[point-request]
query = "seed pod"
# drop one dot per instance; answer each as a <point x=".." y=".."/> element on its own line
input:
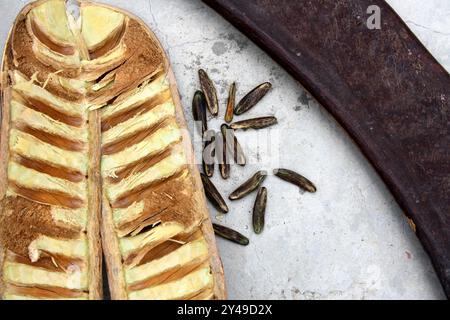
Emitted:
<point x="295" y="178"/>
<point x="213" y="195"/>
<point x="259" y="210"/>
<point x="230" y="234"/>
<point x="208" y="154"/>
<point x="234" y="148"/>
<point x="230" y="103"/>
<point x="224" y="164"/>
<point x="248" y="186"/>
<point x="210" y="92"/>
<point x="252" y="98"/>
<point x="255" y="123"/>
<point x="199" y="106"/>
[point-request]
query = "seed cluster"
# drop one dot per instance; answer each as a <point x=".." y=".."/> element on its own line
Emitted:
<point x="228" y="146"/>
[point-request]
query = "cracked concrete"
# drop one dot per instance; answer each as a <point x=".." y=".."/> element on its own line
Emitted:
<point x="349" y="240"/>
<point x="409" y="22"/>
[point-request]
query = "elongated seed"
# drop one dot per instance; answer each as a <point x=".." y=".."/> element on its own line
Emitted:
<point x="234" y="148"/>
<point x="252" y="98"/>
<point x="224" y="163"/>
<point x="239" y="156"/>
<point x="248" y="186"/>
<point x="255" y="123"/>
<point x="208" y="154"/>
<point x="210" y="92"/>
<point x="230" y="234"/>
<point x="295" y="178"/>
<point x="259" y="210"/>
<point x="213" y="194"/>
<point x="230" y="104"/>
<point x="199" y="106"/>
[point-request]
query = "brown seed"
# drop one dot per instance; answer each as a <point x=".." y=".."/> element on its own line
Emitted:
<point x="208" y="154"/>
<point x="224" y="163"/>
<point x="295" y="178"/>
<point x="255" y="123"/>
<point x="252" y="98"/>
<point x="213" y="194"/>
<point x="248" y="186"/>
<point x="259" y="210"/>
<point x="230" y="103"/>
<point x="199" y="110"/>
<point x="210" y="92"/>
<point x="234" y="148"/>
<point x="230" y="234"/>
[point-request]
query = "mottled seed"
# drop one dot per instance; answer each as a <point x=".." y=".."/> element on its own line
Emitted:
<point x="230" y="103"/>
<point x="255" y="123"/>
<point x="248" y="186"/>
<point x="208" y="154"/>
<point x="222" y="155"/>
<point x="210" y="92"/>
<point x="234" y="148"/>
<point x="199" y="106"/>
<point x="252" y="98"/>
<point x="213" y="194"/>
<point x="295" y="178"/>
<point x="259" y="210"/>
<point x="230" y="234"/>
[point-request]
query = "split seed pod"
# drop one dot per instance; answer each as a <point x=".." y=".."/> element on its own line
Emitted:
<point x="248" y="186"/>
<point x="295" y="178"/>
<point x="230" y="234"/>
<point x="259" y="210"/>
<point x="199" y="106"/>
<point x="252" y="98"/>
<point x="213" y="194"/>
<point x="230" y="104"/>
<point x="210" y="92"/>
<point x="255" y="123"/>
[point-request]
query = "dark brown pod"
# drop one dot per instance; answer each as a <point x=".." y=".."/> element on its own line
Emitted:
<point x="259" y="210"/>
<point x="210" y="92"/>
<point x="208" y="154"/>
<point x="199" y="106"/>
<point x="213" y="194"/>
<point x="230" y="104"/>
<point x="248" y="186"/>
<point x="255" y="123"/>
<point x="230" y="234"/>
<point x="224" y="163"/>
<point x="295" y="178"/>
<point x="252" y="98"/>
<point x="234" y="148"/>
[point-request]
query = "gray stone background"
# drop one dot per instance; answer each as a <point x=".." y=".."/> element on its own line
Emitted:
<point x="350" y="240"/>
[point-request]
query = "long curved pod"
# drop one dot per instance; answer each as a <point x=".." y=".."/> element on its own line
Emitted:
<point x="94" y="141"/>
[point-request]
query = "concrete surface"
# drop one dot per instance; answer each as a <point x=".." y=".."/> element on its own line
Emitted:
<point x="350" y="240"/>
